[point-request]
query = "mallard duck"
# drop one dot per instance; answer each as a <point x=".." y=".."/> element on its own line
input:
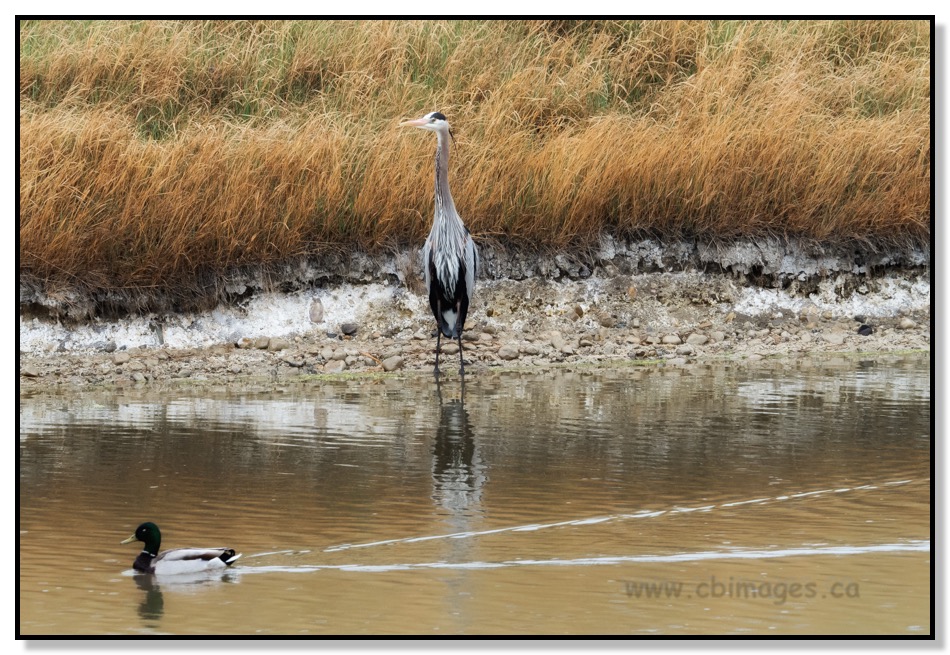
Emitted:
<point x="176" y="560"/>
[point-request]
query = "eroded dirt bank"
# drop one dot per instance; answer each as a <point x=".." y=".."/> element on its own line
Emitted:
<point x="630" y="302"/>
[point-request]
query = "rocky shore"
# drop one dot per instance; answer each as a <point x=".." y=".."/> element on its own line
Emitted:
<point x="608" y="317"/>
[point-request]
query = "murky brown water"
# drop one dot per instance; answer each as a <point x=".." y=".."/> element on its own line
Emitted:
<point x="718" y="500"/>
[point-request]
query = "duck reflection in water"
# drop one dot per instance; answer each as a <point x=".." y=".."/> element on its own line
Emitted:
<point x="152" y="607"/>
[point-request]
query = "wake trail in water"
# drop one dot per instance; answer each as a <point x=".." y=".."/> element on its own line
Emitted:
<point x="908" y="546"/>
<point x="641" y="514"/>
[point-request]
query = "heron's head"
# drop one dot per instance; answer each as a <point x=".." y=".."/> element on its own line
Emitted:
<point x="433" y="121"/>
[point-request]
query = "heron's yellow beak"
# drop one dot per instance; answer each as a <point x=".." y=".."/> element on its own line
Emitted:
<point x="129" y="540"/>
<point x="419" y="122"/>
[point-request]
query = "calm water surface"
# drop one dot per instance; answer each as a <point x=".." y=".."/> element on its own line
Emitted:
<point x="724" y="499"/>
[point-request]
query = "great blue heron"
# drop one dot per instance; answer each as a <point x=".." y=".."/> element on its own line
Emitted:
<point x="449" y="256"/>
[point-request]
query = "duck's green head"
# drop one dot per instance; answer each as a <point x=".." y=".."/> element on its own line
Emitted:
<point x="149" y="533"/>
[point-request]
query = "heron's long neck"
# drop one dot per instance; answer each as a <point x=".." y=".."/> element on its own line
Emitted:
<point x="444" y="206"/>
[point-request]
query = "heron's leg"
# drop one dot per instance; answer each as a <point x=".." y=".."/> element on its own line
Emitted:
<point x="461" y="361"/>
<point x="438" y="346"/>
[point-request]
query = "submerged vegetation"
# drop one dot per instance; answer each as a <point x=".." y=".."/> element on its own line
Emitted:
<point x="155" y="152"/>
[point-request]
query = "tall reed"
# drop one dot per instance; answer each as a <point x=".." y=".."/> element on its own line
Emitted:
<point x="152" y="152"/>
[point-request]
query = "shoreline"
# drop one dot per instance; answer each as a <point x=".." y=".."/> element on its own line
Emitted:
<point x="607" y="319"/>
<point x="267" y="380"/>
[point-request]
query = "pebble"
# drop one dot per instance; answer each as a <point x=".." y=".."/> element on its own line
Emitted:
<point x="393" y="363"/>
<point x="316" y="311"/>
<point x="508" y="352"/>
<point x="672" y="339"/>
<point x="261" y="342"/>
<point x="834" y="338"/>
<point x="865" y="330"/>
<point x="29" y="371"/>
<point x="685" y="349"/>
<point x="907" y="323"/>
<point x="717" y="335"/>
<point x="697" y="339"/>
<point x="450" y="348"/>
<point x="121" y="358"/>
<point x="531" y="349"/>
<point x="348" y="329"/>
<point x="334" y="366"/>
<point x="277" y="343"/>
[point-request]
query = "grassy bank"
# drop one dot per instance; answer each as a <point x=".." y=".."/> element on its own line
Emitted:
<point x="152" y="152"/>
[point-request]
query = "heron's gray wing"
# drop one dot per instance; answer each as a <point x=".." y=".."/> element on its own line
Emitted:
<point x="471" y="264"/>
<point x="426" y="257"/>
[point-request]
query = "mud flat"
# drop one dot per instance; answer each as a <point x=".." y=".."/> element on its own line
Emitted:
<point x="629" y="303"/>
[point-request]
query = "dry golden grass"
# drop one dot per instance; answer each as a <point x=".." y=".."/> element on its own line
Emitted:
<point x="152" y="152"/>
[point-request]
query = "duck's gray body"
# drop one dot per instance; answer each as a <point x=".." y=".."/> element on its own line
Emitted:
<point x="185" y="560"/>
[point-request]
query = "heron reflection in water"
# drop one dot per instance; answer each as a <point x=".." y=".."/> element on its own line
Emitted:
<point x="457" y="470"/>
